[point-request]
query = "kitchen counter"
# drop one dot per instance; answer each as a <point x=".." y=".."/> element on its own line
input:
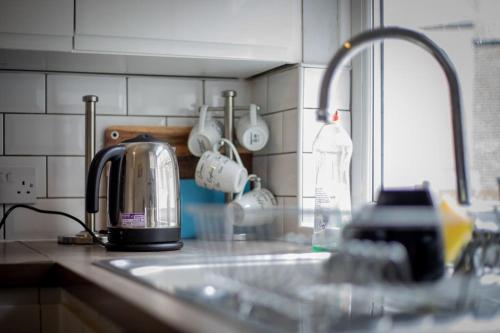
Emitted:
<point x="70" y="267"/>
<point x="135" y="307"/>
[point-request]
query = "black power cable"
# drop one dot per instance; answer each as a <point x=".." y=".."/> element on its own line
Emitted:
<point x="53" y="212"/>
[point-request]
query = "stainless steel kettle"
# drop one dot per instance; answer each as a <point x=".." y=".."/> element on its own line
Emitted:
<point x="143" y="194"/>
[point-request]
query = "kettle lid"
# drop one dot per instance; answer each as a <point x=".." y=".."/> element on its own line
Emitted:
<point x="143" y="138"/>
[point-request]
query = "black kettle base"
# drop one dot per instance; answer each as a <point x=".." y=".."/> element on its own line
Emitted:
<point x="145" y="247"/>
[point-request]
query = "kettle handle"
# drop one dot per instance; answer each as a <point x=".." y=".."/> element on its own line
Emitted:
<point x="115" y="155"/>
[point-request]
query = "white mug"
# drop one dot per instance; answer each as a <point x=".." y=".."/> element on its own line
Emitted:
<point x="252" y="131"/>
<point x="249" y="209"/>
<point x="218" y="172"/>
<point x="205" y="134"/>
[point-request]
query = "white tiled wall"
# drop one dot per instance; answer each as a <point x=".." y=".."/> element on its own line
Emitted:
<point x="51" y="136"/>
<point x="275" y="143"/>
<point x="290" y="131"/>
<point x="44" y="134"/>
<point x="278" y="95"/>
<point x="283" y="90"/>
<point x="48" y="133"/>
<point x="339" y="90"/>
<point x="66" y="176"/>
<point x="22" y="92"/>
<point x="64" y="93"/>
<point x="23" y="224"/>
<point x="162" y="96"/>
<point x="182" y="121"/>
<point x="258" y="92"/>
<point x="282" y="174"/>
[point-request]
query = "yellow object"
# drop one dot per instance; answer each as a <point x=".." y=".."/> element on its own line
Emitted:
<point x="457" y="230"/>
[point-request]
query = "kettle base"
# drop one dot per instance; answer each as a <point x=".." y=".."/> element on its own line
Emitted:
<point x="145" y="247"/>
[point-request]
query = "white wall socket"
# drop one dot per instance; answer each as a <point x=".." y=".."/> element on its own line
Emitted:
<point x="17" y="185"/>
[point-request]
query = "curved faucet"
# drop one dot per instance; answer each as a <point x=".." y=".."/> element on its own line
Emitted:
<point x="361" y="41"/>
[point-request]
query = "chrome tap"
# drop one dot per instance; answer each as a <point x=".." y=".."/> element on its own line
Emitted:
<point x="365" y="39"/>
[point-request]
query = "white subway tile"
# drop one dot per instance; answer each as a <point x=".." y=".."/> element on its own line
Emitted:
<point x="311" y="127"/>
<point x="214" y="89"/>
<point x="102" y="122"/>
<point x="283" y="90"/>
<point x="65" y="92"/>
<point x="290" y="131"/>
<point x="66" y="176"/>
<point x="275" y="143"/>
<point x="308" y="175"/>
<point x="44" y="134"/>
<point x="164" y="96"/>
<point x="279" y="221"/>
<point x="340" y="97"/>
<point x="259" y="166"/>
<point x="22" y="92"/>
<point x="258" y="93"/>
<point x="290" y="202"/>
<point x="282" y="174"/>
<point x="37" y="162"/>
<point x="1" y="134"/>
<point x="24" y="224"/>
<point x="182" y="121"/>
<point x="291" y="214"/>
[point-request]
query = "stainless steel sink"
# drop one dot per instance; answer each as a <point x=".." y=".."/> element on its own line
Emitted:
<point x="237" y="285"/>
<point x="170" y="274"/>
<point x="293" y="292"/>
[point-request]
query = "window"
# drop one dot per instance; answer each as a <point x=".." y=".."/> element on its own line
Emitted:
<point x="416" y="133"/>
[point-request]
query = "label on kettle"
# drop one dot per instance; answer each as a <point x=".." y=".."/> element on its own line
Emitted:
<point x="133" y="219"/>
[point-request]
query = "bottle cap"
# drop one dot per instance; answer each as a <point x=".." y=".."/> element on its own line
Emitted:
<point x="336" y="117"/>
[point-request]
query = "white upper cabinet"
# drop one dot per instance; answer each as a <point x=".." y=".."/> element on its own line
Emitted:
<point x="263" y="30"/>
<point x="36" y="24"/>
<point x="223" y="38"/>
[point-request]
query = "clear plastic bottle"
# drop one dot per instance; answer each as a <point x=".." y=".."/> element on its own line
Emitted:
<point x="332" y="151"/>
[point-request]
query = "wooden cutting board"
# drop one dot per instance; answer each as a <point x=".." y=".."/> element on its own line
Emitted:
<point x="175" y="136"/>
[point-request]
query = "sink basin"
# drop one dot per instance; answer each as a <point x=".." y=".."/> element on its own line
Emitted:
<point x="290" y="292"/>
<point x="170" y="274"/>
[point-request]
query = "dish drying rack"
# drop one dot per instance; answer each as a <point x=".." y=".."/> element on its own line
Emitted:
<point x="361" y="286"/>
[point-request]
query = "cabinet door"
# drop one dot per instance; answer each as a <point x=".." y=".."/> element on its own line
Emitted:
<point x="226" y="29"/>
<point x="36" y="25"/>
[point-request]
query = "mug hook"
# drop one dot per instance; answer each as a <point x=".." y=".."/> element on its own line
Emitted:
<point x="253" y="114"/>
<point x="257" y="183"/>
<point x="203" y="116"/>
<point x="222" y="142"/>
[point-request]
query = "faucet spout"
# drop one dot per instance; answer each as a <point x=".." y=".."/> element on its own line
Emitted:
<point x="360" y="42"/>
